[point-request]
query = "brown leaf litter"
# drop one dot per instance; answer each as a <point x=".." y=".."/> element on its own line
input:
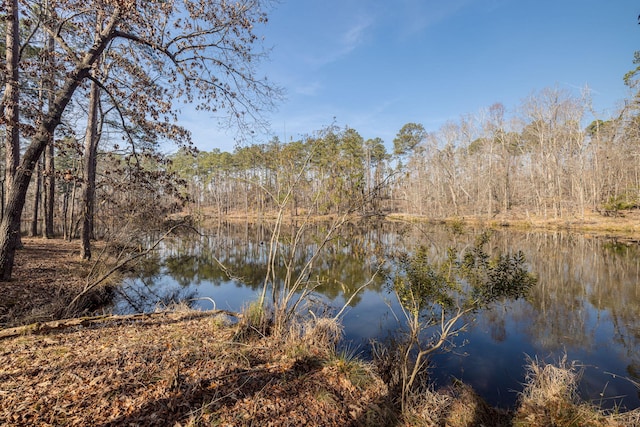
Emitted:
<point x="175" y="369"/>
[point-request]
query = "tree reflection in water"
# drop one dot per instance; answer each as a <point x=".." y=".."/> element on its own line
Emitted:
<point x="586" y="302"/>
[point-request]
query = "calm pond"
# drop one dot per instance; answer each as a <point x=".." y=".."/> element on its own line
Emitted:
<point x="586" y="303"/>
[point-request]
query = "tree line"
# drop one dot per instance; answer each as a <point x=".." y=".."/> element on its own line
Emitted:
<point x="543" y="161"/>
<point x="548" y="157"/>
<point x="329" y="173"/>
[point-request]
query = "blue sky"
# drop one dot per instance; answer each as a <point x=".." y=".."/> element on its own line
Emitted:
<point x="375" y="65"/>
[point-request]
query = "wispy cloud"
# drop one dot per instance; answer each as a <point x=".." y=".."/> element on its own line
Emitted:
<point x="418" y="15"/>
<point x="346" y="41"/>
<point x="309" y="89"/>
<point x="355" y="35"/>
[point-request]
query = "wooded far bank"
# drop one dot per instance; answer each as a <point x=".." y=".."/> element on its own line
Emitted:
<point x="542" y="164"/>
<point x="541" y="167"/>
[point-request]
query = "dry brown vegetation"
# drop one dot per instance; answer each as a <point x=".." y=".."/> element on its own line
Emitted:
<point x="47" y="275"/>
<point x="550" y="399"/>
<point x="189" y="368"/>
<point x="197" y="368"/>
<point x="183" y="367"/>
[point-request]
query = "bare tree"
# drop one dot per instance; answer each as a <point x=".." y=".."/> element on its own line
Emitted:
<point x="199" y="51"/>
<point x="92" y="137"/>
<point x="11" y="100"/>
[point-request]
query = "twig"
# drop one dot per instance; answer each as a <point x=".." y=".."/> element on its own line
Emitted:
<point x="346" y="304"/>
<point x="635" y="383"/>
<point x="205" y="299"/>
<point x="119" y="266"/>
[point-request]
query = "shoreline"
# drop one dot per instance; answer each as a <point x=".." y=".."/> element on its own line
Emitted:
<point x="623" y="226"/>
<point x="184" y="367"/>
<point x="625" y="231"/>
<point x="156" y="365"/>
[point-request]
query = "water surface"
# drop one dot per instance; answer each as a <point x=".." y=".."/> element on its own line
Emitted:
<point x="586" y="303"/>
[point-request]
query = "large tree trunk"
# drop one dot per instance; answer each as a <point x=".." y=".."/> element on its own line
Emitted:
<point x="49" y="187"/>
<point x="10" y="225"/>
<point x="12" y="98"/>
<point x="89" y="165"/>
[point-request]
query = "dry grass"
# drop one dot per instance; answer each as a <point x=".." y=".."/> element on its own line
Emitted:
<point x="550" y="399"/>
<point x="456" y="406"/>
<point x="428" y="408"/>
<point x="321" y="332"/>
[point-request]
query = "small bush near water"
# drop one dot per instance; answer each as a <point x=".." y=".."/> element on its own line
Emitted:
<point x="549" y="399"/>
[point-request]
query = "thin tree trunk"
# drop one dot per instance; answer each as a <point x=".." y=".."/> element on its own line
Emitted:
<point x="48" y="192"/>
<point x="89" y="160"/>
<point x="72" y="220"/>
<point x="65" y="212"/>
<point x="36" y="201"/>
<point x="2" y="196"/>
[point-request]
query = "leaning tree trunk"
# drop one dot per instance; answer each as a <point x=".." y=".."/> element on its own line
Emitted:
<point x="16" y="195"/>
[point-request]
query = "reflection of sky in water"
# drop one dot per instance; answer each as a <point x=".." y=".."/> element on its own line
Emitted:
<point x="371" y="318"/>
<point x="228" y="295"/>
<point x="496" y="346"/>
